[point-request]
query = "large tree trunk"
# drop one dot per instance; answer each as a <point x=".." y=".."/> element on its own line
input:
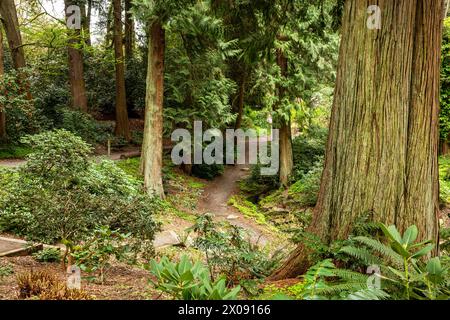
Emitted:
<point x="129" y="30"/>
<point x="122" y="124"/>
<point x="2" y="111"/>
<point x="11" y="23"/>
<point x="152" y="147"/>
<point x="382" y="148"/>
<point x="286" y="155"/>
<point x="76" y="68"/>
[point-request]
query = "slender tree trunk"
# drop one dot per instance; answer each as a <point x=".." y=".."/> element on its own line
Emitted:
<point x="2" y="111"/>
<point x="152" y="147"/>
<point x="76" y="68"/>
<point x="129" y="30"/>
<point x="446" y="7"/>
<point x="286" y="155"/>
<point x="86" y="19"/>
<point x="382" y="149"/>
<point x="109" y="22"/>
<point x="122" y="124"/>
<point x="11" y="24"/>
<point x="240" y="100"/>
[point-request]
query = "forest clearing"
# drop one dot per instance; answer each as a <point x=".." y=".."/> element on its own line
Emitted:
<point x="224" y="150"/>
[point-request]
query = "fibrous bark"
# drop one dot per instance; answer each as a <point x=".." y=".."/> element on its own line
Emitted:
<point x="10" y="21"/>
<point x="129" y="30"/>
<point x="2" y="111"/>
<point x="382" y="150"/>
<point x="152" y="147"/>
<point x="122" y="125"/>
<point x="286" y="155"/>
<point x="76" y="68"/>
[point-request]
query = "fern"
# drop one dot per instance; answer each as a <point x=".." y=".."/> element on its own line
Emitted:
<point x="362" y="254"/>
<point x="384" y="250"/>
<point x="368" y="294"/>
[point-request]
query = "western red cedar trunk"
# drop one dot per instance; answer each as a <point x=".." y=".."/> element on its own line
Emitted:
<point x="2" y="112"/>
<point x="10" y="20"/>
<point x="152" y="146"/>
<point x="129" y="30"/>
<point x="76" y="68"/>
<point x="286" y="155"/>
<point x="383" y="140"/>
<point x="122" y="125"/>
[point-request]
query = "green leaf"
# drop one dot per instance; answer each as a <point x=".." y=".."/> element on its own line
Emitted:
<point x="410" y="235"/>
<point x="422" y="252"/>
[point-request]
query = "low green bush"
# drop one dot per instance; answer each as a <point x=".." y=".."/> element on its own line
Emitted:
<point x="229" y="251"/>
<point x="306" y="189"/>
<point x="209" y="172"/>
<point x="48" y="255"/>
<point x="94" y="255"/>
<point x="60" y="195"/>
<point x="187" y="281"/>
<point x="308" y="149"/>
<point x="85" y="126"/>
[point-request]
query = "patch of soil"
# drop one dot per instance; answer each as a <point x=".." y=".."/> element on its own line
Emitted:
<point x="123" y="282"/>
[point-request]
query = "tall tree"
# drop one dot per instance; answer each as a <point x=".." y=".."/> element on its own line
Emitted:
<point x="382" y="149"/>
<point x="129" y="30"/>
<point x="76" y="68"/>
<point x="151" y="159"/>
<point x="2" y="112"/>
<point x="86" y="15"/>
<point x="10" y="21"/>
<point x="286" y="155"/>
<point x="122" y="124"/>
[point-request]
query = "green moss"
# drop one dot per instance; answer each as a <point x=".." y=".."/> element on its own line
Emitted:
<point x="14" y="152"/>
<point x="131" y="167"/>
<point x="248" y="209"/>
<point x="196" y="184"/>
<point x="444" y="179"/>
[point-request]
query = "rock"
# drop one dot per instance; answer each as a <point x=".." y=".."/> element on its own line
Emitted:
<point x="166" y="238"/>
<point x="232" y="217"/>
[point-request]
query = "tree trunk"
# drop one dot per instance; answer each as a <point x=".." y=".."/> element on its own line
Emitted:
<point x="286" y="155"/>
<point x="382" y="148"/>
<point x="122" y="124"/>
<point x="76" y="68"/>
<point x="86" y="19"/>
<point x="109" y="23"/>
<point x="152" y="147"/>
<point x="2" y="111"/>
<point x="446" y="7"/>
<point x="129" y="30"/>
<point x="11" y="24"/>
<point x="240" y="102"/>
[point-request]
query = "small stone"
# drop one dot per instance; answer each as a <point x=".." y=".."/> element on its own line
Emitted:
<point x="232" y="217"/>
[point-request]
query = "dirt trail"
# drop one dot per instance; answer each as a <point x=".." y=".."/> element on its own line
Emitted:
<point x="215" y="200"/>
<point x="116" y="155"/>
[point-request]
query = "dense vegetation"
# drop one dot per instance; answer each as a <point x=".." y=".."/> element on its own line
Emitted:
<point x="87" y="114"/>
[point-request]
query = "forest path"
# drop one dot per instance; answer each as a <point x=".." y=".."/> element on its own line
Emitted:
<point x="116" y="155"/>
<point x="217" y="194"/>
